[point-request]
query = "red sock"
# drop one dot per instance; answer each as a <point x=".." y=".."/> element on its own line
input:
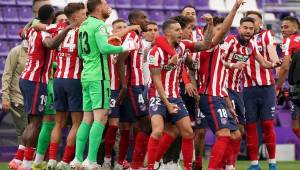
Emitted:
<point x="53" y="150"/>
<point x="139" y="151"/>
<point x="123" y="145"/>
<point x="218" y="151"/>
<point x="164" y="143"/>
<point x="69" y="153"/>
<point x="29" y="153"/>
<point x="252" y="141"/>
<point x="297" y="132"/>
<point x="232" y="151"/>
<point x="152" y="150"/>
<point x="187" y="147"/>
<point x="109" y="140"/>
<point x="269" y="137"/>
<point x="198" y="162"/>
<point x="20" y="153"/>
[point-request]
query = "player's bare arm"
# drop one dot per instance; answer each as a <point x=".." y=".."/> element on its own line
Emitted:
<point x="265" y="63"/>
<point x="121" y="73"/>
<point x="227" y="23"/>
<point x="206" y="43"/>
<point x="156" y="78"/>
<point x="122" y="33"/>
<point x="284" y="70"/>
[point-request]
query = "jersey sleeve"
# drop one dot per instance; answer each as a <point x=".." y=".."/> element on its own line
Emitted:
<point x="164" y="45"/>
<point x="190" y="45"/>
<point x="287" y="47"/>
<point x="255" y="50"/>
<point x="269" y="38"/>
<point x="227" y="47"/>
<point x="154" y="58"/>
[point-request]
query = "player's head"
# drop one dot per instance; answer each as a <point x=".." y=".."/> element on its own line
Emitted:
<point x="59" y="16"/>
<point x="257" y="19"/>
<point x="217" y="22"/>
<point x="189" y="11"/>
<point x="119" y="25"/>
<point x="289" y="25"/>
<point x="151" y="31"/>
<point x="172" y="30"/>
<point x="98" y="8"/>
<point x="186" y="24"/>
<point x="75" y="12"/>
<point x="46" y="14"/>
<point x="36" y="4"/>
<point x="246" y="29"/>
<point x="138" y="17"/>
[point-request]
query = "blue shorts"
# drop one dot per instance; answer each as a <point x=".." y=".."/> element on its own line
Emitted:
<point x="157" y="107"/>
<point x="34" y="96"/>
<point x="259" y="103"/>
<point x="216" y="113"/>
<point x="238" y="105"/>
<point x="67" y="95"/>
<point x="117" y="111"/>
<point x="200" y="120"/>
<point x="135" y="102"/>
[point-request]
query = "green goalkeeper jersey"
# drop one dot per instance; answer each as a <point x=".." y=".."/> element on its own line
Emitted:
<point x="93" y="48"/>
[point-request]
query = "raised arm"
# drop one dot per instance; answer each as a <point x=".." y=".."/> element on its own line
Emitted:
<point x="206" y="44"/>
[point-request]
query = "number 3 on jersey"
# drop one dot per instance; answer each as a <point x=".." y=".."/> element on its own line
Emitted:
<point x="84" y="42"/>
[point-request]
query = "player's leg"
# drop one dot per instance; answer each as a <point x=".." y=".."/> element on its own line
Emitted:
<point x="124" y="143"/>
<point x="199" y="147"/>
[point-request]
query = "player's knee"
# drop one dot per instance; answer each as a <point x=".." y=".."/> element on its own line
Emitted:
<point x="187" y="133"/>
<point x="157" y="133"/>
<point x="200" y="133"/>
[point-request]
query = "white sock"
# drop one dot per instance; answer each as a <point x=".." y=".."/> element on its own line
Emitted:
<point x="21" y="147"/>
<point x="107" y="160"/>
<point x="18" y="161"/>
<point x="272" y="161"/>
<point x="254" y="162"/>
<point x="26" y="164"/>
<point x="38" y="158"/>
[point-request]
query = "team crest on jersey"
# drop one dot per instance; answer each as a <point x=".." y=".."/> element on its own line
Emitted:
<point x="224" y="120"/>
<point x="41" y="108"/>
<point x="154" y="108"/>
<point x="258" y="39"/>
<point x="249" y="50"/>
<point x="143" y="107"/>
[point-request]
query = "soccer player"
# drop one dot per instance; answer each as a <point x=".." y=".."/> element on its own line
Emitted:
<point x="290" y="31"/>
<point x="237" y="51"/>
<point x="67" y="88"/>
<point x="133" y="89"/>
<point x="93" y="48"/>
<point x="165" y="101"/>
<point x="258" y="86"/>
<point x="33" y="84"/>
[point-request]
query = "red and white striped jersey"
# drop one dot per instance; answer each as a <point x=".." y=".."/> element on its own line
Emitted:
<point x="211" y="74"/>
<point x="39" y="60"/>
<point x="170" y="74"/>
<point x="254" y="73"/>
<point x="113" y="72"/>
<point x="135" y="61"/>
<point x="291" y="45"/>
<point x="69" y="65"/>
<point x="235" y="52"/>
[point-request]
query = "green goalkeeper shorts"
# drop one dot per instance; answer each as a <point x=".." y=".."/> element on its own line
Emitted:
<point x="49" y="109"/>
<point x="96" y="95"/>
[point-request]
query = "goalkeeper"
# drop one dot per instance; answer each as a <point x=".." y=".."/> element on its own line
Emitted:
<point x="93" y="48"/>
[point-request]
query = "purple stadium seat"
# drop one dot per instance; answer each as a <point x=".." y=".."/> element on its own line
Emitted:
<point x="8" y="2"/>
<point x="123" y="4"/>
<point x="111" y="3"/>
<point x="154" y="4"/>
<point x="2" y="31"/>
<point x="182" y="3"/>
<point x="157" y="16"/>
<point x="24" y="2"/>
<point x="171" y="13"/>
<point x="171" y="4"/>
<point x="4" y="48"/>
<point x="201" y="4"/>
<point x="123" y="13"/>
<point x="10" y="14"/>
<point x="13" y="31"/>
<point x="209" y="138"/>
<point x="25" y="14"/>
<point x="284" y="118"/>
<point x="2" y="63"/>
<point x="138" y="4"/>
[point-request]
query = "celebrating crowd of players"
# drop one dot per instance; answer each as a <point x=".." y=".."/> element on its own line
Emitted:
<point x="168" y="88"/>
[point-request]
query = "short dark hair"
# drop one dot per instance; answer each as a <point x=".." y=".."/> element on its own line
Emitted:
<point x="187" y="6"/>
<point x="168" y="23"/>
<point x="92" y="4"/>
<point x="57" y="13"/>
<point x="45" y="12"/>
<point x="118" y="20"/>
<point x="292" y="19"/>
<point x="246" y="19"/>
<point x="254" y="13"/>
<point x="134" y="14"/>
<point x="72" y="8"/>
<point x="183" y="20"/>
<point x="216" y="21"/>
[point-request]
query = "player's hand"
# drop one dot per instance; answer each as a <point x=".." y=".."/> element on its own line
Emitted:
<point x="174" y="60"/>
<point x="190" y="89"/>
<point x="234" y="115"/>
<point x="276" y="64"/>
<point x="172" y="108"/>
<point x="129" y="45"/>
<point x="208" y="18"/>
<point x="121" y="96"/>
<point x="239" y="65"/>
<point x="135" y="28"/>
<point x="5" y="105"/>
<point x="238" y="3"/>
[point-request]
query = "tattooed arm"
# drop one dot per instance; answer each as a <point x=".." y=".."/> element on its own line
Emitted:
<point x="206" y="44"/>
